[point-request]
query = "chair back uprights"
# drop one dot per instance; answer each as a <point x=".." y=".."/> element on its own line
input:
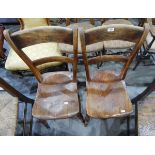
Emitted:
<point x="122" y="32"/>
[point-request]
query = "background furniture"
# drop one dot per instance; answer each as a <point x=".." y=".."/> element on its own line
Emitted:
<point x="15" y="63"/>
<point x="9" y="109"/>
<point x="149" y="44"/>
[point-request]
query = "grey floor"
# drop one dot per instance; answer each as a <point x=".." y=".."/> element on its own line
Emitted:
<point x="136" y="82"/>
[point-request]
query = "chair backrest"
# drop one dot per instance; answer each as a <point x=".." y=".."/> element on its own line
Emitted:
<point x="123" y="32"/>
<point x="26" y="23"/>
<point x="11" y="90"/>
<point x="68" y="21"/>
<point x="24" y="38"/>
<point x="105" y="19"/>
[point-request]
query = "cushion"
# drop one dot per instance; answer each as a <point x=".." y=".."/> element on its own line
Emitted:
<point x="8" y="114"/>
<point x="34" y="22"/>
<point x="34" y="52"/>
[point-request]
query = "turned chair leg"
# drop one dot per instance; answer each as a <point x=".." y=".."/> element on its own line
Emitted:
<point x="87" y="119"/>
<point x="137" y="63"/>
<point x="136" y="119"/>
<point x="128" y="125"/>
<point x="44" y="122"/>
<point x="24" y="121"/>
<point x="80" y="116"/>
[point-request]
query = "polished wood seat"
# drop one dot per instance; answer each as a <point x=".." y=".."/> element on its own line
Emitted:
<point x="56" y="97"/>
<point x="119" y="44"/>
<point x="107" y="95"/>
<point x="146" y="117"/>
<point x="92" y="48"/>
<point x="8" y="114"/>
<point x="102" y="98"/>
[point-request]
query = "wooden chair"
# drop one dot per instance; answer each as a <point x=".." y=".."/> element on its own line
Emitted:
<point x="84" y="25"/>
<point x="57" y="93"/>
<point x="9" y="109"/>
<point x="15" y="63"/>
<point x="149" y="44"/>
<point x="107" y="96"/>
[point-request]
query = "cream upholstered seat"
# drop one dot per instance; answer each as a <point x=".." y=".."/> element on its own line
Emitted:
<point x="14" y="62"/>
<point x="117" y="43"/>
<point x="34" y="52"/>
<point x="8" y="114"/>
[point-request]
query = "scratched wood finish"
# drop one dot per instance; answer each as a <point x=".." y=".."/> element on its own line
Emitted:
<point x="66" y="48"/>
<point x="106" y="91"/>
<point x="57" y="94"/>
<point x="107" y="99"/>
<point x="146" y="117"/>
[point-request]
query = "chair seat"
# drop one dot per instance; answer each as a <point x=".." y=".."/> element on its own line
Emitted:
<point x="146" y="117"/>
<point x="65" y="48"/>
<point x="14" y="62"/>
<point x="56" y="97"/>
<point x="148" y="40"/>
<point x="107" y="99"/>
<point x="117" y="43"/>
<point x="8" y="114"/>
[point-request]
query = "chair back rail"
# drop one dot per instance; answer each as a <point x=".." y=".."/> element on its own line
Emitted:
<point x="113" y="32"/>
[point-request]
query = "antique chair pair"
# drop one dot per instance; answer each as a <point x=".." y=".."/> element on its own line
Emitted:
<point x="57" y="93"/>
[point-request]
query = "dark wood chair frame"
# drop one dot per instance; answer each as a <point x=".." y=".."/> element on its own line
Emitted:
<point x="22" y="98"/>
<point x="145" y="48"/>
<point x="21" y="39"/>
<point x="127" y="33"/>
<point x="150" y="88"/>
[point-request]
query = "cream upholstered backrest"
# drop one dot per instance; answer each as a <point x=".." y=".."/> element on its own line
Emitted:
<point x="27" y="23"/>
<point x="14" y="62"/>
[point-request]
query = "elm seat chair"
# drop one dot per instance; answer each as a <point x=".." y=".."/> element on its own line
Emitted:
<point x="9" y="98"/>
<point x="107" y="96"/>
<point x="84" y="25"/>
<point x="15" y="63"/>
<point x="57" y="93"/>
